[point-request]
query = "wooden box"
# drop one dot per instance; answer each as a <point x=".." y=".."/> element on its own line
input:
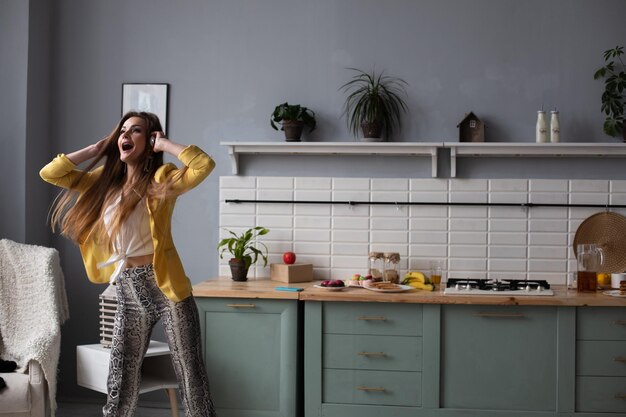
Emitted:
<point x="291" y="273"/>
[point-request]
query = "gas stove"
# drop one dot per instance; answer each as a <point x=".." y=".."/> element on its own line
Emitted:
<point x="517" y="287"/>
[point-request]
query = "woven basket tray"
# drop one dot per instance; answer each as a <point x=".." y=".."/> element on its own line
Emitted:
<point x="608" y="231"/>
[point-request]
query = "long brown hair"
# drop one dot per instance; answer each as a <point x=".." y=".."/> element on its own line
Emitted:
<point x="79" y="217"/>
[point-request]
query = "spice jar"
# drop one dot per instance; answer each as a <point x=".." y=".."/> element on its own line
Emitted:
<point x="391" y="262"/>
<point x="376" y="266"/>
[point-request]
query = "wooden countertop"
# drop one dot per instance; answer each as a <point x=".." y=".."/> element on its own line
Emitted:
<point x="263" y="288"/>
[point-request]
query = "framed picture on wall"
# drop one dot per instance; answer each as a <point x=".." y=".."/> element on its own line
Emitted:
<point x="146" y="97"/>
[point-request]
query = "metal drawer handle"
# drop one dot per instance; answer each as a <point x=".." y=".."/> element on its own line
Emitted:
<point x="368" y="389"/>
<point x="620" y="396"/>
<point x="620" y="322"/>
<point x="501" y="315"/>
<point x="373" y="318"/>
<point x="241" y="305"/>
<point x="368" y="354"/>
<point x="619" y="359"/>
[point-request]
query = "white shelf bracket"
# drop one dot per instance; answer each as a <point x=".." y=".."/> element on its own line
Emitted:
<point x="234" y="159"/>
<point x="433" y="161"/>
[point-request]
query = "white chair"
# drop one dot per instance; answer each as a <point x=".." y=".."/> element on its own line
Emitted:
<point x="33" y="305"/>
<point x="26" y="395"/>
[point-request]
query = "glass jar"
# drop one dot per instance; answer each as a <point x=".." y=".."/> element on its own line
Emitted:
<point x="392" y="261"/>
<point x="376" y="265"/>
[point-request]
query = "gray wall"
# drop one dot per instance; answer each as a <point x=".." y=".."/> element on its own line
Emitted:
<point x="229" y="62"/>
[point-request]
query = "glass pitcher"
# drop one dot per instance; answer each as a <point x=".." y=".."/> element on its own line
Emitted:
<point x="590" y="259"/>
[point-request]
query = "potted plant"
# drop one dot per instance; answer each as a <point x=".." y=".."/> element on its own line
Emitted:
<point x="374" y="104"/>
<point x="243" y="250"/>
<point x="292" y="118"/>
<point x="614" y="94"/>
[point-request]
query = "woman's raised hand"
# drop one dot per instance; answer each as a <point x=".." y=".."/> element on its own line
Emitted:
<point x="97" y="147"/>
<point x="156" y="141"/>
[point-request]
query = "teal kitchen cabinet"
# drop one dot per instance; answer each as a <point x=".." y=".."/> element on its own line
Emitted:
<point x="362" y="359"/>
<point x="499" y="358"/>
<point x="251" y="353"/>
<point x="601" y="360"/>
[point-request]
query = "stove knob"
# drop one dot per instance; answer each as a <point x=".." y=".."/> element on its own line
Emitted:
<point x="457" y="287"/>
<point x="528" y="288"/>
<point x="539" y="288"/>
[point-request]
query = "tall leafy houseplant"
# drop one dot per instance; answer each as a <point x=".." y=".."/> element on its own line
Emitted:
<point x="614" y="94"/>
<point x="243" y="251"/>
<point x="293" y="118"/>
<point x="375" y="104"/>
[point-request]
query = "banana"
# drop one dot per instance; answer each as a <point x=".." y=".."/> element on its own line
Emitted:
<point x="421" y="286"/>
<point x="414" y="276"/>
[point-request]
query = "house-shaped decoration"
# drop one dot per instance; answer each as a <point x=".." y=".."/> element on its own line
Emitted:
<point x="471" y="129"/>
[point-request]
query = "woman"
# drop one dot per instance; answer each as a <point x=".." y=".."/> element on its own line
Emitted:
<point x="119" y="213"/>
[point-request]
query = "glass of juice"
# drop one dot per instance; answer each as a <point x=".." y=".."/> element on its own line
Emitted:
<point x="436" y="271"/>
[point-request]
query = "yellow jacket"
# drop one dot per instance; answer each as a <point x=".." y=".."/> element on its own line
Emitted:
<point x="168" y="268"/>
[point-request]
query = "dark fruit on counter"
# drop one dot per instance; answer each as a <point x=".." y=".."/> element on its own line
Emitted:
<point x="332" y="283"/>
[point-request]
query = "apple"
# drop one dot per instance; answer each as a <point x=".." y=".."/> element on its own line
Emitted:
<point x="289" y="258"/>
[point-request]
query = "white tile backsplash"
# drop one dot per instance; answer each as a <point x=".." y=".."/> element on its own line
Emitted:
<point x="312" y="183"/>
<point x="475" y="241"/>
<point x="351" y="184"/>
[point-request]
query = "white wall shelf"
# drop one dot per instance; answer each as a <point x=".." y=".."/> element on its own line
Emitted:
<point x="532" y="150"/>
<point x="457" y="150"/>
<point x="334" y="148"/>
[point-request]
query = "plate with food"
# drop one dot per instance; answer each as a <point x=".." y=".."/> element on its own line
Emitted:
<point x="615" y="293"/>
<point x="387" y="287"/>
<point x="331" y="285"/>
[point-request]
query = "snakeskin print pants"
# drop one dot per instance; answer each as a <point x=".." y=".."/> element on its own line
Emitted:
<point x="140" y="304"/>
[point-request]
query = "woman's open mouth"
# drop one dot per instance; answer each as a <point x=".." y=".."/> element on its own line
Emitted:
<point x="127" y="146"/>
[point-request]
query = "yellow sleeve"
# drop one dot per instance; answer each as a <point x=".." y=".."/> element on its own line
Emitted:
<point x="63" y="173"/>
<point x="199" y="166"/>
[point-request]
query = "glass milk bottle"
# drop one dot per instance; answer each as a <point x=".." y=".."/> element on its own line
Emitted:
<point x="541" y="130"/>
<point x="555" y="127"/>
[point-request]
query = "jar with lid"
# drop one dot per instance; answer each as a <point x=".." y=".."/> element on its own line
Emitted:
<point x="392" y="261"/>
<point x="376" y="266"/>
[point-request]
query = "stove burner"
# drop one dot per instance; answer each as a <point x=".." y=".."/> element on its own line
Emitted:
<point x="497" y="285"/>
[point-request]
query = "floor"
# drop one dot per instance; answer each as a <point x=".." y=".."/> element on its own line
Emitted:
<point x="67" y="409"/>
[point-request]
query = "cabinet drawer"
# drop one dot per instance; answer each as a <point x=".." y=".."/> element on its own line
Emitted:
<point x="372" y="387"/>
<point x="601" y="394"/>
<point x="391" y="353"/>
<point x="373" y="319"/>
<point x="243" y="305"/>
<point x="601" y="323"/>
<point x="601" y="358"/>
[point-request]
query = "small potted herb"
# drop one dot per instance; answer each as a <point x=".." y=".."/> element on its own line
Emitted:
<point x="614" y="95"/>
<point x="374" y="104"/>
<point x="243" y="251"/>
<point x="293" y="118"/>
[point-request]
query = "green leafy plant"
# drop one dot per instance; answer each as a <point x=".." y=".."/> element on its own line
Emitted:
<point x="292" y="112"/>
<point x="243" y="246"/>
<point x="613" y="97"/>
<point x="374" y="98"/>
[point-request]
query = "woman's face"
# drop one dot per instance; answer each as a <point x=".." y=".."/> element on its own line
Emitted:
<point x="132" y="140"/>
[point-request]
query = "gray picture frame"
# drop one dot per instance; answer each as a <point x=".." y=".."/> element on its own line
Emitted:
<point x="149" y="97"/>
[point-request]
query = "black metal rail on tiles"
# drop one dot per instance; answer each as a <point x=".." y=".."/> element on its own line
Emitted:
<point x="423" y="203"/>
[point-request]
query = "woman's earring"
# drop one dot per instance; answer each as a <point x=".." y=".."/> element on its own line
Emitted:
<point x="148" y="166"/>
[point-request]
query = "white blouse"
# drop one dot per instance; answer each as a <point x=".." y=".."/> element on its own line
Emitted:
<point x="134" y="238"/>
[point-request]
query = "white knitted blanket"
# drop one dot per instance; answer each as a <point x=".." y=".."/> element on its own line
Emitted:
<point x="33" y="305"/>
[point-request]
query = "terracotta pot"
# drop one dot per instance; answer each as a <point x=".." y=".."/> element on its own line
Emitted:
<point x="238" y="269"/>
<point x="372" y="131"/>
<point x="293" y="130"/>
